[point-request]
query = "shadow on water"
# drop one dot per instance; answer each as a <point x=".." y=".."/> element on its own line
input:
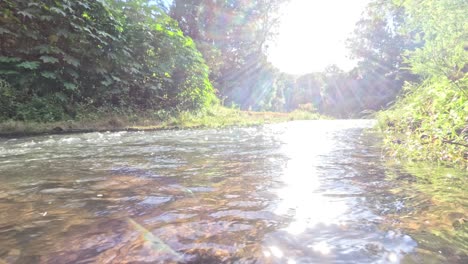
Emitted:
<point x="298" y="192"/>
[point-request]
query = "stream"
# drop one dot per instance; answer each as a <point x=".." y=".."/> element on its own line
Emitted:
<point x="295" y="192"/>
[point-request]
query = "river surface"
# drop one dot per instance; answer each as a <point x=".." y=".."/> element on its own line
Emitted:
<point x="297" y="192"/>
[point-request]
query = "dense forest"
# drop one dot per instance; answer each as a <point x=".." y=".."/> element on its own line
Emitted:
<point x="61" y="58"/>
<point x="117" y="54"/>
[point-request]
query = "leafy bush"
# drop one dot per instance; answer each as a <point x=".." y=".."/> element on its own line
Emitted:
<point x="118" y="53"/>
<point x="7" y="107"/>
<point x="430" y="122"/>
<point x="40" y="109"/>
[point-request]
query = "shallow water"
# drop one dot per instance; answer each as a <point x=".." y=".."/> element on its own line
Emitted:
<point x="298" y="192"/>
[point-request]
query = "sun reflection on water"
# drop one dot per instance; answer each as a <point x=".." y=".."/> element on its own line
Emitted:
<point x="300" y="196"/>
<point x="322" y="248"/>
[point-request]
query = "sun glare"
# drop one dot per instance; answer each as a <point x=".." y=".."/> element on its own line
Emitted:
<point x="305" y="147"/>
<point x="312" y="35"/>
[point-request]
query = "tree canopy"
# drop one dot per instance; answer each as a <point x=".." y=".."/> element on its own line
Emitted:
<point x="232" y="36"/>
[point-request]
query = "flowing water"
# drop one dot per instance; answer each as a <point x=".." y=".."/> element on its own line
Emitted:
<point x="297" y="192"/>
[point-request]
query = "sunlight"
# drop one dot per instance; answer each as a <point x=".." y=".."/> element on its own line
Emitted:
<point x="312" y="35"/>
<point x="322" y="247"/>
<point x="305" y="146"/>
<point x="276" y="252"/>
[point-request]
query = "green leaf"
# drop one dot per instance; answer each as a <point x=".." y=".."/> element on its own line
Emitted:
<point x="71" y="60"/>
<point x="46" y="18"/>
<point x="87" y="30"/>
<point x="158" y="27"/>
<point x="70" y="86"/>
<point x="85" y="15"/>
<point x="134" y="70"/>
<point x="101" y="70"/>
<point x="49" y="75"/>
<point x="24" y="13"/>
<point x="31" y="65"/>
<point x="58" y="11"/>
<point x="32" y="34"/>
<point x="72" y="73"/>
<point x="67" y="7"/>
<point x="107" y="82"/>
<point x="61" y="97"/>
<point x="34" y="4"/>
<point x="9" y="59"/>
<point x="75" y="26"/>
<point x="44" y="49"/>
<point x="83" y="4"/>
<point x="48" y="59"/>
<point x="5" y="31"/>
<point x="8" y="72"/>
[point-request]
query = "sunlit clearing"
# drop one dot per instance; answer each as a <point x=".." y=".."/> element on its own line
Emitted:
<point x="312" y="35"/>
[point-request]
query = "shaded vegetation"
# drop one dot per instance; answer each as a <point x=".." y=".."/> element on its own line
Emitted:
<point x="99" y="53"/>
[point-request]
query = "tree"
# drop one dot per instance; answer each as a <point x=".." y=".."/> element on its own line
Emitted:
<point x="379" y="43"/>
<point x="306" y="90"/>
<point x="105" y="53"/>
<point x="232" y="36"/>
<point x="440" y="26"/>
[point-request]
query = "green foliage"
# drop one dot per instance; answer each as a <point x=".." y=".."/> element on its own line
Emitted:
<point x="7" y="94"/>
<point x="442" y="27"/>
<point x="332" y="92"/>
<point x="231" y="34"/>
<point x="117" y="53"/>
<point x="379" y="44"/>
<point x="431" y="120"/>
<point x="40" y="109"/>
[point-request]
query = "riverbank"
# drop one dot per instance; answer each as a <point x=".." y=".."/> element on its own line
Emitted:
<point x="105" y="120"/>
<point x="421" y="127"/>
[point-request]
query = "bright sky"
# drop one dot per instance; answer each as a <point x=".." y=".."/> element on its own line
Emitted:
<point x="312" y="35"/>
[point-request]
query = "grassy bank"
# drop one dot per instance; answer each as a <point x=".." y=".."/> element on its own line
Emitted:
<point x="107" y="120"/>
<point x="430" y="123"/>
